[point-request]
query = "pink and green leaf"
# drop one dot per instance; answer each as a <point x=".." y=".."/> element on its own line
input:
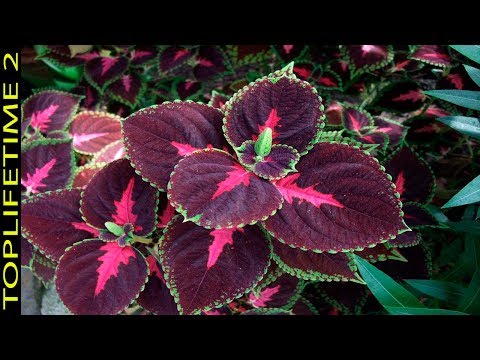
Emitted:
<point x="102" y="278"/>
<point x="217" y="100"/>
<point x="143" y="54"/>
<point x="433" y="55"/>
<point x="101" y="71"/>
<point x="363" y="58"/>
<point x="355" y="120"/>
<point x="340" y="200"/>
<point x="127" y="90"/>
<point x="224" y="194"/>
<point x="194" y="259"/>
<point x="156" y="138"/>
<point x="281" y="293"/>
<point x="84" y="174"/>
<point x="173" y="57"/>
<point x="111" y="152"/>
<point x="395" y="131"/>
<point x="401" y="96"/>
<point x="210" y="63"/>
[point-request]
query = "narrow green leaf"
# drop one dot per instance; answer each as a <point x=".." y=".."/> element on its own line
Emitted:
<point x="478" y="214"/>
<point x="471" y="255"/>
<point x="466" y="226"/>
<point x="114" y="228"/>
<point x="474" y="73"/>
<point x="446" y="291"/>
<point x="465" y="98"/>
<point x="263" y="146"/>
<point x="387" y="291"/>
<point x="471" y="301"/>
<point x="437" y="213"/>
<point x="470" y="51"/>
<point x="420" y="311"/>
<point x="468" y="195"/>
<point x="73" y="73"/>
<point x="466" y="125"/>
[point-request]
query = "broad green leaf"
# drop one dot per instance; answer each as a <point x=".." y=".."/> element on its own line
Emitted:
<point x="466" y="226"/>
<point x="465" y="98"/>
<point x="387" y="291"/>
<point x="437" y="213"/>
<point x="420" y="311"/>
<point x="468" y="195"/>
<point x="73" y="73"/>
<point x="79" y="49"/>
<point x="470" y="51"/>
<point x="471" y="301"/>
<point x="466" y="125"/>
<point x="446" y="291"/>
<point x="474" y="73"/>
<point x="471" y="255"/>
<point x="64" y="85"/>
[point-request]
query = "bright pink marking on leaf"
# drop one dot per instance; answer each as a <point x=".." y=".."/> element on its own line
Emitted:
<point x="118" y="154"/>
<point x="265" y="296"/>
<point x="221" y="237"/>
<point x="110" y="262"/>
<point x="400" y="183"/>
<point x="127" y="82"/>
<point x="166" y="216"/>
<point x="88" y="56"/>
<point x="426" y="129"/>
<point x="124" y="208"/>
<point x="220" y="103"/>
<point x="327" y="81"/>
<point x="271" y="122"/>
<point x="456" y="80"/>
<point x="184" y="149"/>
<point x="413" y="95"/>
<point x="188" y="84"/>
<point x="154" y="269"/>
<point x="372" y="49"/>
<point x="107" y="63"/>
<point x="205" y="62"/>
<point x="436" y="111"/>
<point x="179" y="54"/>
<point x="343" y="65"/>
<point x="303" y="72"/>
<point x="213" y="312"/>
<point x="287" y="48"/>
<point x="234" y="178"/>
<point x="355" y="123"/>
<point x="41" y="119"/>
<point x="85" y="227"/>
<point x="289" y="189"/>
<point x="139" y="54"/>
<point x="435" y="56"/>
<point x="34" y="181"/>
<point x="369" y="138"/>
<point x="384" y="129"/>
<point x="402" y="64"/>
<point x="79" y="139"/>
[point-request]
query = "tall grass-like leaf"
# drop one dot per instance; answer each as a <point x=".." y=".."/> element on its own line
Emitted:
<point x="470" y="51"/>
<point x="466" y="125"/>
<point x="465" y="98"/>
<point x="443" y="290"/>
<point x="474" y="73"/>
<point x="421" y="311"/>
<point x="468" y="195"/>
<point x="471" y="301"/>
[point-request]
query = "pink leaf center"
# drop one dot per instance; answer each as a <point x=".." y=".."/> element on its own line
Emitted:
<point x="138" y="54"/>
<point x="166" y="216"/>
<point x="35" y="181"/>
<point x="85" y="227"/>
<point x="41" y="119"/>
<point x="287" y="48"/>
<point x="110" y="262"/>
<point x="272" y="122"/>
<point x="289" y="190"/>
<point x="124" y="208"/>
<point x="400" y="183"/>
<point x="79" y="139"/>
<point x="384" y="129"/>
<point x="326" y="81"/>
<point x="265" y="296"/>
<point x="302" y="72"/>
<point x="127" y="83"/>
<point x="205" y="62"/>
<point x="107" y="64"/>
<point x="179" y="54"/>
<point x="183" y="149"/>
<point x="372" y="49"/>
<point x="355" y="123"/>
<point x="412" y="95"/>
<point x="154" y="269"/>
<point x="234" y="178"/>
<point x="456" y="80"/>
<point x="221" y="237"/>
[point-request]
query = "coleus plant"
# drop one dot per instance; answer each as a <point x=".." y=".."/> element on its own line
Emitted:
<point x="252" y="181"/>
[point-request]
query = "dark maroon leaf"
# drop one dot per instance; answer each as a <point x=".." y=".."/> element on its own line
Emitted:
<point x="417" y="215"/>
<point x="339" y="200"/>
<point x="432" y="54"/>
<point x="166" y="211"/>
<point x="403" y="63"/>
<point x="329" y="81"/>
<point x="370" y="135"/>
<point x="402" y="96"/>
<point x="102" y="71"/>
<point x="419" y="265"/>
<point x="156" y="138"/>
<point x="111" y="152"/>
<point x="334" y="114"/>
<point x="205" y="269"/>
<point x="288" y="53"/>
<point x="143" y="54"/>
<point x="210" y="63"/>
<point x="52" y="221"/>
<point x="224" y="310"/>
<point x="84" y="174"/>
<point x="63" y="60"/>
<point x="355" y="119"/>
<point x="412" y="176"/>
<point x="304" y="307"/>
<point x="394" y="130"/>
<point x="174" y="56"/>
<point x="50" y="110"/>
<point x="272" y="274"/>
<point x="270" y="311"/>
<point x="59" y="49"/>
<point x="43" y="268"/>
<point x="288" y="106"/>
<point x="283" y="292"/>
<point x="309" y="265"/>
<point x="217" y="100"/>
<point x="93" y="130"/>
<point x="127" y="89"/>
<point x="368" y="57"/>
<point x="303" y="70"/>
<point x="186" y="89"/>
<point x="46" y="165"/>
<point x="406" y="239"/>
<point x="26" y="252"/>
<point x="58" y="134"/>
<point x="156" y="297"/>
<point x="92" y="98"/>
<point x="381" y="252"/>
<point x="247" y="54"/>
<point x="101" y="278"/>
<point x="347" y="297"/>
<point x="222" y="194"/>
<point x="117" y="194"/>
<point x="281" y="160"/>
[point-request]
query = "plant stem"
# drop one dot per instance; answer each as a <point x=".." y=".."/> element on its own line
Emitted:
<point x="142" y="240"/>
